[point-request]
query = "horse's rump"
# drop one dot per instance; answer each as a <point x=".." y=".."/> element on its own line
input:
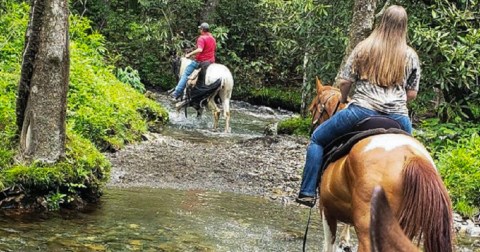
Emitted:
<point x="402" y="166"/>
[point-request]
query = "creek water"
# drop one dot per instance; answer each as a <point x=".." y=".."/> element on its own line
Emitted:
<point x="149" y="219"/>
<point x="144" y="219"/>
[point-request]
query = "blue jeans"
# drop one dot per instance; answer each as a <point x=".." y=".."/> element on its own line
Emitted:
<point x="182" y="83"/>
<point x="340" y="124"/>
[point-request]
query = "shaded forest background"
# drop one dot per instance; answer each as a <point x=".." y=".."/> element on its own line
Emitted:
<point x="264" y="43"/>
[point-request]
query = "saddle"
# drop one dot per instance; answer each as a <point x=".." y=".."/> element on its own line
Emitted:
<point x="370" y="126"/>
<point x="197" y="91"/>
<point x="198" y="74"/>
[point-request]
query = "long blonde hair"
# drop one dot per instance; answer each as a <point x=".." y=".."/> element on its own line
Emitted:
<point x="381" y="58"/>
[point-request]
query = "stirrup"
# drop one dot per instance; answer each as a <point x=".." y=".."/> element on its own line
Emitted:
<point x="308" y="201"/>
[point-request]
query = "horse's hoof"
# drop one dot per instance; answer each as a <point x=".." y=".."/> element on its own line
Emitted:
<point x="345" y="247"/>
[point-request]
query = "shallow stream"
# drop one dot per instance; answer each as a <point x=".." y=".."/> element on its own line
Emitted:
<point x="152" y="219"/>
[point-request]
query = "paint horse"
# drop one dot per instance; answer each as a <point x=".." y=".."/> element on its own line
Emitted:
<point x="213" y="73"/>
<point x="398" y="163"/>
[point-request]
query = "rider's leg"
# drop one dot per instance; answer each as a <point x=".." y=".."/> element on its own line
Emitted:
<point x="182" y="83"/>
<point x="340" y="124"/>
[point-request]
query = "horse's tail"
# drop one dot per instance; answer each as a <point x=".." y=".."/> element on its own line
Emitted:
<point x="426" y="210"/>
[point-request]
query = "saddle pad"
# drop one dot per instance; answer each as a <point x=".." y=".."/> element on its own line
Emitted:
<point x="342" y="145"/>
<point x="197" y="95"/>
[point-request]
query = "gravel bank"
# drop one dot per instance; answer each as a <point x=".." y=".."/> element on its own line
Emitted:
<point x="269" y="166"/>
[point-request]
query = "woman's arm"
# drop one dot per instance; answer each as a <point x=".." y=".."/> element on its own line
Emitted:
<point x="411" y="95"/>
<point x="345" y="86"/>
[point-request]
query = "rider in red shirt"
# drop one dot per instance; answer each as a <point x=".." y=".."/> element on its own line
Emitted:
<point x="205" y="51"/>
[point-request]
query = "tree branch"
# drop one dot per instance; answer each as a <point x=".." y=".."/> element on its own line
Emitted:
<point x="385" y="6"/>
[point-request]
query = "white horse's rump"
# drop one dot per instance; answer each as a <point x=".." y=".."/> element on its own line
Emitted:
<point x="214" y="72"/>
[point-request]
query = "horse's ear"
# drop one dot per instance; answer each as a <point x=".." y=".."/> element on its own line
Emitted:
<point x="319" y="85"/>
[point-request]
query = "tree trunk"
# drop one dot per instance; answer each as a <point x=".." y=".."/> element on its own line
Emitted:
<point x="305" y="87"/>
<point x="42" y="92"/>
<point x="361" y="26"/>
<point x="208" y="11"/>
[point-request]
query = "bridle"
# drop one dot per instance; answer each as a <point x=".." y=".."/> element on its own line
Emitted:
<point x="319" y="105"/>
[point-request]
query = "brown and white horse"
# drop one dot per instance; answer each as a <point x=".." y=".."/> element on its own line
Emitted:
<point x="398" y="163"/>
<point x="214" y="72"/>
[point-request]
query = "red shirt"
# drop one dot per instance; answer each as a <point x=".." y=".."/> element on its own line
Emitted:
<point x="208" y="44"/>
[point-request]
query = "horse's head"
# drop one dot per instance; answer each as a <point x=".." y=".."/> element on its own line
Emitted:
<point x="175" y="61"/>
<point x="324" y="104"/>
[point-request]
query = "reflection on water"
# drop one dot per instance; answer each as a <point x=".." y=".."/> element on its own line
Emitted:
<point x="166" y="220"/>
<point x="144" y="219"/>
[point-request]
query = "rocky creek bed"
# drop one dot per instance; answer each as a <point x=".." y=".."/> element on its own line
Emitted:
<point x="268" y="166"/>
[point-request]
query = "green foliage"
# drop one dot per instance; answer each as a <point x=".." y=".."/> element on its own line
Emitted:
<point x="439" y="136"/>
<point x="456" y="146"/>
<point x="295" y="126"/>
<point x="447" y="38"/>
<point x="103" y="113"/>
<point x="100" y="107"/>
<point x="131" y="76"/>
<point x="460" y="170"/>
<point x="278" y="98"/>
<point x="54" y="200"/>
<point x="296" y="29"/>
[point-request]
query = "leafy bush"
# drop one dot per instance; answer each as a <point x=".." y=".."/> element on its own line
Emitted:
<point x="460" y="170"/>
<point x="437" y="136"/>
<point x="295" y="126"/>
<point x="100" y="107"/>
<point x="456" y="147"/>
<point x="447" y="38"/>
<point x="131" y="76"/>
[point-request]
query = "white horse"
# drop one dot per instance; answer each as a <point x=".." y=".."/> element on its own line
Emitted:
<point x="214" y="72"/>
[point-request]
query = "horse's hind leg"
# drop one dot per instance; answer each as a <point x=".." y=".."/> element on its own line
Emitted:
<point x="216" y="112"/>
<point x="361" y="221"/>
<point x="329" y="232"/>
<point x="345" y="244"/>
<point x="226" y="113"/>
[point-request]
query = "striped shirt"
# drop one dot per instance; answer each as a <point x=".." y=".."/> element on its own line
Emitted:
<point x="388" y="100"/>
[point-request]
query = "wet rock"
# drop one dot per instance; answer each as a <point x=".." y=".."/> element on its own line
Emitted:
<point x="473" y="231"/>
<point x="150" y="95"/>
<point x="266" y="110"/>
<point x="271" y="129"/>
